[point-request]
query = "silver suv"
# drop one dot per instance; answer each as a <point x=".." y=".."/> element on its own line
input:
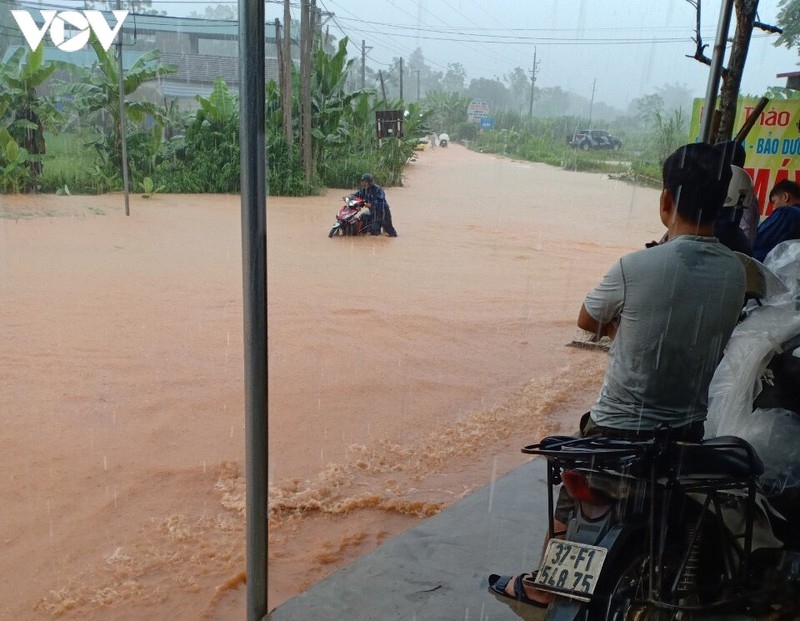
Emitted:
<point x="594" y="139"/>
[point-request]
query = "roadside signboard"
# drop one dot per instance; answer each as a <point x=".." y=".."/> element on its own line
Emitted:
<point x="389" y="123"/>
<point x="487" y="122"/>
<point x="772" y="146"/>
<point x="476" y="110"/>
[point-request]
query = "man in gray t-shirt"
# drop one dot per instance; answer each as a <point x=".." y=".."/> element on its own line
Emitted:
<point x="674" y="307"/>
<point x="670" y="310"/>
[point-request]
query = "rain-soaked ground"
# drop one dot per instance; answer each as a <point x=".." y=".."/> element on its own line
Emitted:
<point x="438" y="570"/>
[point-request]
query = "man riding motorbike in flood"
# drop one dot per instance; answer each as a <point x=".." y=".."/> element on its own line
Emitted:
<point x="378" y="208"/>
<point x="670" y="310"/>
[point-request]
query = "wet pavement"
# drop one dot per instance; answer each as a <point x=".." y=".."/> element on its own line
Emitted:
<point x="438" y="569"/>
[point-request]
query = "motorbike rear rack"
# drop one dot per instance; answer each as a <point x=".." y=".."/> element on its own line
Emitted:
<point x="707" y="471"/>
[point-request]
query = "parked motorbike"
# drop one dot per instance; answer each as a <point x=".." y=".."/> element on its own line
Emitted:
<point x="662" y="530"/>
<point x="666" y="529"/>
<point x="353" y="218"/>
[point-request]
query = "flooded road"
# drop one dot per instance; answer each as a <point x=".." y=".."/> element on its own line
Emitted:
<point x="403" y="374"/>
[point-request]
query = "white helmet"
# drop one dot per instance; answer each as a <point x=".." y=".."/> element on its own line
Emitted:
<point x="740" y="190"/>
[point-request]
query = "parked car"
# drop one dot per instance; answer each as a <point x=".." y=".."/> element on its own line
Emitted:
<point x="586" y="139"/>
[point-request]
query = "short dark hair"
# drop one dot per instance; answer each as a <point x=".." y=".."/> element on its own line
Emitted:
<point x="697" y="175"/>
<point x="790" y="187"/>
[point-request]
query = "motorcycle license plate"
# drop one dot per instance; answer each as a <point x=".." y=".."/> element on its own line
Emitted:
<point x="570" y="569"/>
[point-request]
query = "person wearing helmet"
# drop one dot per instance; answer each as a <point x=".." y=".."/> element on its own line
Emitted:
<point x="736" y="221"/>
<point x="375" y="197"/>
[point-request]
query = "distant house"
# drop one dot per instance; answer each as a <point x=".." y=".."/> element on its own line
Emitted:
<point x="201" y="49"/>
<point x="792" y="79"/>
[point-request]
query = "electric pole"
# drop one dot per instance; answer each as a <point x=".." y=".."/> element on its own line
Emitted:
<point x="401" y="78"/>
<point x="364" y="50"/>
<point x="417" y="72"/>
<point x="534" y="69"/>
<point x="383" y="86"/>
<point x="123" y="124"/>
<point x="306" y="46"/>
<point x="591" y="103"/>
<point x="286" y="85"/>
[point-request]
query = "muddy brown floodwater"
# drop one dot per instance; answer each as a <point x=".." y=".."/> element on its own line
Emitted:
<point x="403" y="374"/>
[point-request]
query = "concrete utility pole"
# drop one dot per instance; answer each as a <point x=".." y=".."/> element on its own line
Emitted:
<point x="383" y="86"/>
<point x="306" y="44"/>
<point x="534" y="69"/>
<point x="279" y="56"/>
<point x="286" y="85"/>
<point x="417" y="72"/>
<point x="591" y="103"/>
<point x="364" y="50"/>
<point x="123" y="123"/>
<point x="401" y="78"/>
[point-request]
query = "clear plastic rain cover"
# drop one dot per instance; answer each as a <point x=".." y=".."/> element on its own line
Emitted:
<point x="742" y="374"/>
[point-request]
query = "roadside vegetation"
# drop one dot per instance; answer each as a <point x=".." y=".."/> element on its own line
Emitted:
<point x="60" y="127"/>
<point x="70" y="141"/>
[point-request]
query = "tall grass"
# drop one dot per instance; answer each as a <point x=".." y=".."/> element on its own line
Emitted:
<point x="70" y="162"/>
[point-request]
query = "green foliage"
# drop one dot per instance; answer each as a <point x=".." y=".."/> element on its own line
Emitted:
<point x="149" y="188"/>
<point x="448" y="112"/>
<point x="14" y="172"/>
<point x="789" y="20"/>
<point x="95" y="95"/>
<point x="207" y="158"/>
<point x="71" y="162"/>
<point x="780" y="92"/>
<point x="344" y="140"/>
<point x="670" y="133"/>
<point x="25" y="114"/>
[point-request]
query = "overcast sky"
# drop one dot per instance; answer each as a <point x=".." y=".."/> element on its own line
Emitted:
<point x="624" y="48"/>
<point x="629" y="47"/>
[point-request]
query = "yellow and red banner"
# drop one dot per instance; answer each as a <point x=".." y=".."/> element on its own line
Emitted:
<point x="772" y="146"/>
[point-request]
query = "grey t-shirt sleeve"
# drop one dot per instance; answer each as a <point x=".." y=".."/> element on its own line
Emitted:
<point x="605" y="301"/>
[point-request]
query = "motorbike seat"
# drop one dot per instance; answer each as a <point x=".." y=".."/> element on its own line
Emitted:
<point x="726" y="456"/>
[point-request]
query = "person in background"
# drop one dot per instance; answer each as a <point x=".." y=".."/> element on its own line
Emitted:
<point x="375" y="197"/>
<point x="784" y="221"/>
<point x="670" y="310"/>
<point x="734" y="224"/>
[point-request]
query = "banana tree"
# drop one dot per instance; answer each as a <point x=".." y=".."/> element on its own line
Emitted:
<point x="449" y="110"/>
<point x="24" y="113"/>
<point x="97" y="95"/>
<point x="331" y="103"/>
<point x="14" y="173"/>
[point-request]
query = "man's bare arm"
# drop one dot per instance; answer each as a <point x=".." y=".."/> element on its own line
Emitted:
<point x="590" y="324"/>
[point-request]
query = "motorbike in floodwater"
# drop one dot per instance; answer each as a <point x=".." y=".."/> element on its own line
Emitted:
<point x="353" y="218"/>
<point x="664" y="529"/>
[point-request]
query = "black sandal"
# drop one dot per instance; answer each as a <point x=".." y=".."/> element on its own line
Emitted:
<point x="498" y="584"/>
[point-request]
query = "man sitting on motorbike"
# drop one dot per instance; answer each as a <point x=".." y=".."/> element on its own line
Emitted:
<point x="784" y="221"/>
<point x="375" y="197"/>
<point x="670" y="310"/>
